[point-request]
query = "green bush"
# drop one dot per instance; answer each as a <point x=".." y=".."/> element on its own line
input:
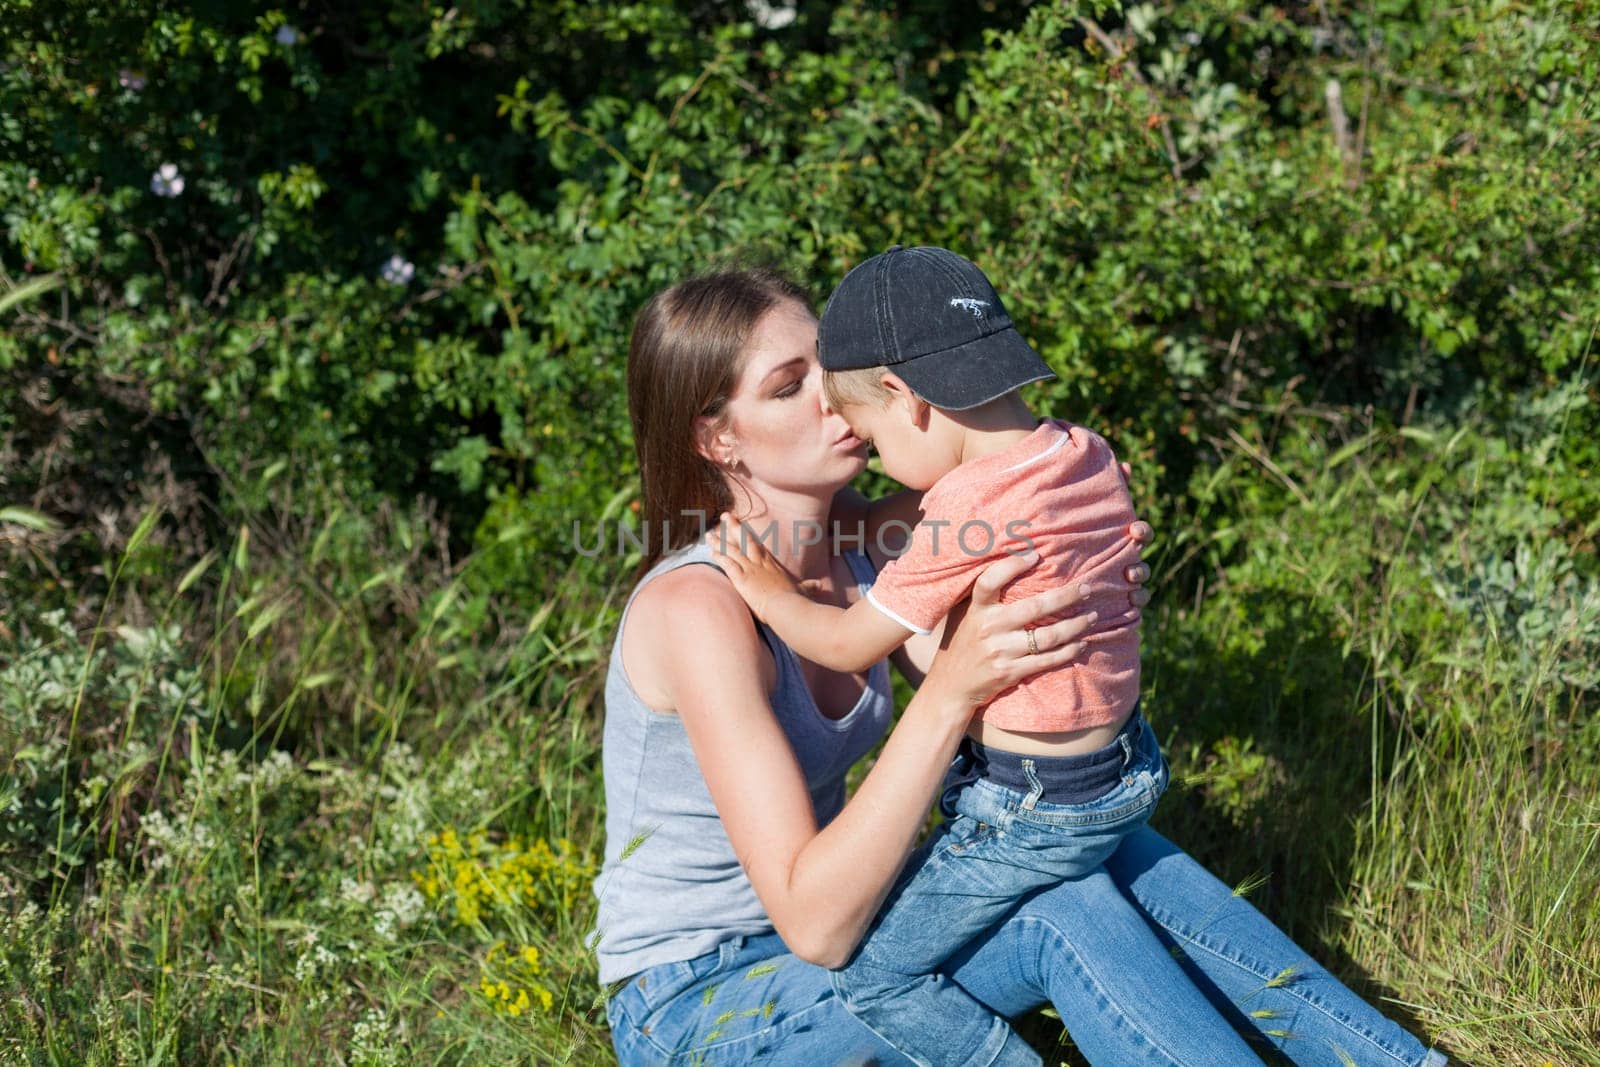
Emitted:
<point x="1176" y="216"/>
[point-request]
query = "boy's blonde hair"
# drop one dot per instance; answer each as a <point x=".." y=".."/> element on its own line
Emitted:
<point x="848" y="388"/>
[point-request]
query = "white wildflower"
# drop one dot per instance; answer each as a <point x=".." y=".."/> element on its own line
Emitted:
<point x="273" y="771"/>
<point x="160" y="833"/>
<point x="305" y="968"/>
<point x="770" y="16"/>
<point x="402" y="905"/>
<point x="357" y="892"/>
<point x="397" y="270"/>
<point x="369" y="1041"/>
<point x="287" y="36"/>
<point x="167" y="182"/>
<point x="408" y="816"/>
<point x="180" y="840"/>
<point x="400" y="760"/>
<point x="406" y="902"/>
<point x="314" y="959"/>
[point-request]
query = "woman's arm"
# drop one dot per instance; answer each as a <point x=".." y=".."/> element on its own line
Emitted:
<point x="821" y="888"/>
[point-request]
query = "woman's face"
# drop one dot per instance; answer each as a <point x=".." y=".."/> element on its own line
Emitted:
<point x="778" y="428"/>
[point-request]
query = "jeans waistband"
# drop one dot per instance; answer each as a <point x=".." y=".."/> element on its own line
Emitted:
<point x="1062" y="779"/>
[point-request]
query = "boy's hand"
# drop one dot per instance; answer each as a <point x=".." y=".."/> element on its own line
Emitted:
<point x="756" y="575"/>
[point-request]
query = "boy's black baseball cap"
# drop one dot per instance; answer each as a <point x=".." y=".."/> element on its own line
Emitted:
<point x="931" y="317"/>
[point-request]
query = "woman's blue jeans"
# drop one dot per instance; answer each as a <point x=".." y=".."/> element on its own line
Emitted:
<point x="1149" y="959"/>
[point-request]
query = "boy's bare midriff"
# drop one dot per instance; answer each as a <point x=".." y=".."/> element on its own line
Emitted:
<point x="1049" y="743"/>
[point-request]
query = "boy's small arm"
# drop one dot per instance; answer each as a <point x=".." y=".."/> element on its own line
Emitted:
<point x="842" y="639"/>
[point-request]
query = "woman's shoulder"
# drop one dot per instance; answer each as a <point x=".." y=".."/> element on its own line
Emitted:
<point x="688" y="617"/>
<point x="693" y="589"/>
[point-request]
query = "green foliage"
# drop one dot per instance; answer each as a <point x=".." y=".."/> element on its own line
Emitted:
<point x="299" y="670"/>
<point x="1169" y="200"/>
<point x="82" y="725"/>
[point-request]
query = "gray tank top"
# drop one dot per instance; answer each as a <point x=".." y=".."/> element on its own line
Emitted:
<point x="680" y="891"/>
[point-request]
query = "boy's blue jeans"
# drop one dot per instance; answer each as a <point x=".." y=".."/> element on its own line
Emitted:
<point x="1003" y="843"/>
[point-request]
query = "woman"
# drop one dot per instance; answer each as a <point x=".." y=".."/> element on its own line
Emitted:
<point x="736" y="871"/>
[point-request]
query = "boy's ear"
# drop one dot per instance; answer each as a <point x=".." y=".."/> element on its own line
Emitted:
<point x="900" y="393"/>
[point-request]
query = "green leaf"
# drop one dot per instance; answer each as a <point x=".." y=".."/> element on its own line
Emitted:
<point x="29" y="518"/>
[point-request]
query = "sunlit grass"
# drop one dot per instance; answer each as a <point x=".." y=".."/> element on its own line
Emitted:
<point x="333" y="796"/>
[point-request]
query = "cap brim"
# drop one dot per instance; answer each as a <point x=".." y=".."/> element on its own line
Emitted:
<point x="974" y="373"/>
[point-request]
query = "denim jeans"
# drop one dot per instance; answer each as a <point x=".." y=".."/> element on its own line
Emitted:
<point x="1148" y="959"/>
<point x="999" y="846"/>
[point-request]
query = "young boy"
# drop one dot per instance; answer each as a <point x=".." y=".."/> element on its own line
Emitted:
<point x="923" y="362"/>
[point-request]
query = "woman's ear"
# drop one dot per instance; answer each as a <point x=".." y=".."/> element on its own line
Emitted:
<point x="714" y="441"/>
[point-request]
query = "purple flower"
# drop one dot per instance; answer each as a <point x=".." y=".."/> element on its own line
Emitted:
<point x="770" y="16"/>
<point x="167" y="181"/>
<point x="287" y="35"/>
<point x="397" y="270"/>
<point x="131" y="80"/>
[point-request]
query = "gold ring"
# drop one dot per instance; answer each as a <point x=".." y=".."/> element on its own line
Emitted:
<point x="1033" y="647"/>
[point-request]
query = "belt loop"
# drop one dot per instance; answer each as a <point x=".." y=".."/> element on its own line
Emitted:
<point x="1036" y="790"/>
<point x="1127" y="750"/>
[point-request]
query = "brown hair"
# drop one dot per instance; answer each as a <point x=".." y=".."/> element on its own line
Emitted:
<point x="683" y="362"/>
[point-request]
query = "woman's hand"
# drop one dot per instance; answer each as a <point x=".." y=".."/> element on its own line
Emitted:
<point x="988" y="646"/>
<point x="1139" y="533"/>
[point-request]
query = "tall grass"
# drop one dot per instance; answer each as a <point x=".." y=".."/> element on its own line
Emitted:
<point x="323" y="795"/>
<point x="1394" y="687"/>
<point x="298" y="803"/>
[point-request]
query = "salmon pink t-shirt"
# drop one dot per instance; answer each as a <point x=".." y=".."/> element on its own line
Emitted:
<point x="1061" y="491"/>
